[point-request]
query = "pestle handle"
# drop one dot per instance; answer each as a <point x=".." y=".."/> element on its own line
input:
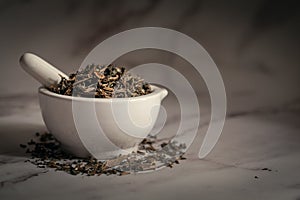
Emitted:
<point x="41" y="70"/>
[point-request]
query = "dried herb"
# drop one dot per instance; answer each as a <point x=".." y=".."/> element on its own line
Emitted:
<point x="102" y="82"/>
<point x="266" y="169"/>
<point x="46" y="152"/>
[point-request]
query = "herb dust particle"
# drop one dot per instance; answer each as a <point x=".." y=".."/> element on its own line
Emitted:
<point x="99" y="81"/>
<point x="152" y="154"/>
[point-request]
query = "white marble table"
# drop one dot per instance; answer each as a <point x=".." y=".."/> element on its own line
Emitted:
<point x="250" y="141"/>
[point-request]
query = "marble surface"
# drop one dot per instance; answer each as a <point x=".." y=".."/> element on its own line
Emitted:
<point x="257" y="58"/>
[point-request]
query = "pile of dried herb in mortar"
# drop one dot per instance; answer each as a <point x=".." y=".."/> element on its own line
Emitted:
<point x="99" y="81"/>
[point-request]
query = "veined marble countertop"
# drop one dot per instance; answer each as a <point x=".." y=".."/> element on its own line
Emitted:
<point x="258" y="59"/>
<point x="266" y="138"/>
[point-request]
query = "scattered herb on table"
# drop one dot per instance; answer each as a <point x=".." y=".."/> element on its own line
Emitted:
<point x="46" y="152"/>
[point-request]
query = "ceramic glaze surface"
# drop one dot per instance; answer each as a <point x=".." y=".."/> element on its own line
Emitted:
<point x="124" y="121"/>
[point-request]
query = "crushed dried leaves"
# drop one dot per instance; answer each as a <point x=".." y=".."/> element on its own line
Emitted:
<point x="99" y="81"/>
<point x="46" y="152"/>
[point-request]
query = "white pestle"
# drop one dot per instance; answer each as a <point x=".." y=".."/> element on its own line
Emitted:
<point x="41" y="70"/>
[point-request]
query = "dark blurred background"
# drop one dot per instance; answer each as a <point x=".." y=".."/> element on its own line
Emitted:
<point x="254" y="43"/>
